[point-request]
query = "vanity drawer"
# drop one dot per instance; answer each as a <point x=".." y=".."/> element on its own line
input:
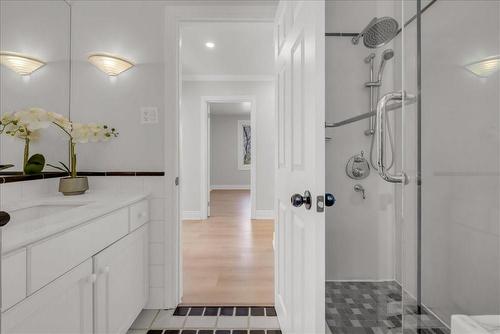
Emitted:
<point x="13" y="278"/>
<point x="139" y="214"/>
<point x="53" y="257"/>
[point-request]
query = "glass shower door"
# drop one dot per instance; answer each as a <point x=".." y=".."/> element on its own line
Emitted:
<point x="449" y="221"/>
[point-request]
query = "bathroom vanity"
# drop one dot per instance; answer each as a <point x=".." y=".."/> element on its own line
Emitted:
<point x="75" y="264"/>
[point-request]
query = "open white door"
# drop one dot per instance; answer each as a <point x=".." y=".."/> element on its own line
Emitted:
<point x="300" y="232"/>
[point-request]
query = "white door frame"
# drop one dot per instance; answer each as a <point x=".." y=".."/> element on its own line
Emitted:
<point x="205" y="151"/>
<point x="173" y="235"/>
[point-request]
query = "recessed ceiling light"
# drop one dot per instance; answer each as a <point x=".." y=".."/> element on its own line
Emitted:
<point x="210" y="45"/>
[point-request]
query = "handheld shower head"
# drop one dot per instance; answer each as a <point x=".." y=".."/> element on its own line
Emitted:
<point x="386" y="55"/>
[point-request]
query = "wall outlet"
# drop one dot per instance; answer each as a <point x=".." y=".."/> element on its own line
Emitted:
<point x="149" y="115"/>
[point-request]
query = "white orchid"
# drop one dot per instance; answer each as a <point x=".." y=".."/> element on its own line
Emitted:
<point x="25" y="124"/>
<point x="83" y="133"/>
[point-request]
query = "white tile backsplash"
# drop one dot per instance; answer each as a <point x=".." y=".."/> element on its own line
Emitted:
<point x="155" y="185"/>
<point x="156" y="229"/>
<point x="34" y="189"/>
<point x="10" y="192"/>
<point x="156" y="253"/>
<point x="157" y="208"/>
<point x="156" y="274"/>
<point x="128" y="183"/>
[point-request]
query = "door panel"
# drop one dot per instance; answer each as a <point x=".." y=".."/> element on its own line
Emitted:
<point x="297" y="65"/>
<point x="300" y="244"/>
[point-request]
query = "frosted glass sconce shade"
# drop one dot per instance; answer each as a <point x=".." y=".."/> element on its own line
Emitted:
<point x="20" y="63"/>
<point x="484" y="67"/>
<point x="110" y="64"/>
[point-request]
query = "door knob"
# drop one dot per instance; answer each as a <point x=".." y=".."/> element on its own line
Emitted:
<point x="329" y="199"/>
<point x="298" y="199"/>
<point x="4" y="218"/>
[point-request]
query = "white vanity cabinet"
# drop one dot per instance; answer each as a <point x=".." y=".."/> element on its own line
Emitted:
<point x="121" y="288"/>
<point x="92" y="278"/>
<point x="62" y="307"/>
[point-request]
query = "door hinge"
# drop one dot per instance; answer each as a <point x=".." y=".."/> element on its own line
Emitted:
<point x="176" y="181"/>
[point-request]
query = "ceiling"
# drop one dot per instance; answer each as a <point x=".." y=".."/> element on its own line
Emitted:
<point x="226" y="108"/>
<point x="241" y="49"/>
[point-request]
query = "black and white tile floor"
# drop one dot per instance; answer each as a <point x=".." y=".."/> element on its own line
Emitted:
<point x="376" y="308"/>
<point x="207" y="320"/>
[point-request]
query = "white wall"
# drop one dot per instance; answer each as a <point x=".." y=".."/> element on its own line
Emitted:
<point x="39" y="29"/>
<point x="224" y="169"/>
<point x="359" y="233"/>
<point x="134" y="31"/>
<point x="192" y="93"/>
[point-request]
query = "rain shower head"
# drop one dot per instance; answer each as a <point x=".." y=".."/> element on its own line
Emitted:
<point x="378" y="32"/>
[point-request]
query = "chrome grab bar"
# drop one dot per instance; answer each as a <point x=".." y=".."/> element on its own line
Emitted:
<point x="381" y="114"/>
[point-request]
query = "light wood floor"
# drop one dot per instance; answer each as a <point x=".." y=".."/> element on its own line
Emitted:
<point x="228" y="259"/>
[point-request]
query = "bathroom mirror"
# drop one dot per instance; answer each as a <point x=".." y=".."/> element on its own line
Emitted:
<point x="42" y="34"/>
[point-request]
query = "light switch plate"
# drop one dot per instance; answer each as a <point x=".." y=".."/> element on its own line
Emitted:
<point x="149" y="115"/>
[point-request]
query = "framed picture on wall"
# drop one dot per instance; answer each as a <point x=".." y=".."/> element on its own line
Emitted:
<point x="244" y="144"/>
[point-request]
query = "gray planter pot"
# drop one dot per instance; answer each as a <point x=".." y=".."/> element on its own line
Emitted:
<point x="73" y="185"/>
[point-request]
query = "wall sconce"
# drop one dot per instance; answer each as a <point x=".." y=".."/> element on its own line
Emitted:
<point x="19" y="63"/>
<point x="110" y="64"/>
<point x="484" y="67"/>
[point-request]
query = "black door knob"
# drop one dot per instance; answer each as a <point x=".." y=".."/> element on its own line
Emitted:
<point x="4" y="218"/>
<point x="298" y="200"/>
<point x="329" y="199"/>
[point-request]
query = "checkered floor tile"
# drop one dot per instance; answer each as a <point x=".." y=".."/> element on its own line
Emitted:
<point x="376" y="308"/>
<point x="208" y="320"/>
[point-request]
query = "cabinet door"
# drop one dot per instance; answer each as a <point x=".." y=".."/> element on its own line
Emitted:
<point x="62" y="307"/>
<point x="121" y="288"/>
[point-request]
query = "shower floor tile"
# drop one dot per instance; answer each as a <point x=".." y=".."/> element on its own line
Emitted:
<point x="375" y="307"/>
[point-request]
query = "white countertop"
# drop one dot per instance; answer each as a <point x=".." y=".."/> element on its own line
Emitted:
<point x="92" y="205"/>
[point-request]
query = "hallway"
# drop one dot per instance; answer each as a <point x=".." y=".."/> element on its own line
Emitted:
<point x="228" y="259"/>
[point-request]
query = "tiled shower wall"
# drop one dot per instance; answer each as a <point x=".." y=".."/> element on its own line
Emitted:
<point x="155" y="185"/>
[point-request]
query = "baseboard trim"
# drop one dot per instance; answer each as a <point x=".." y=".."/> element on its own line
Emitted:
<point x="230" y="187"/>
<point x="191" y="215"/>
<point x="264" y="214"/>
